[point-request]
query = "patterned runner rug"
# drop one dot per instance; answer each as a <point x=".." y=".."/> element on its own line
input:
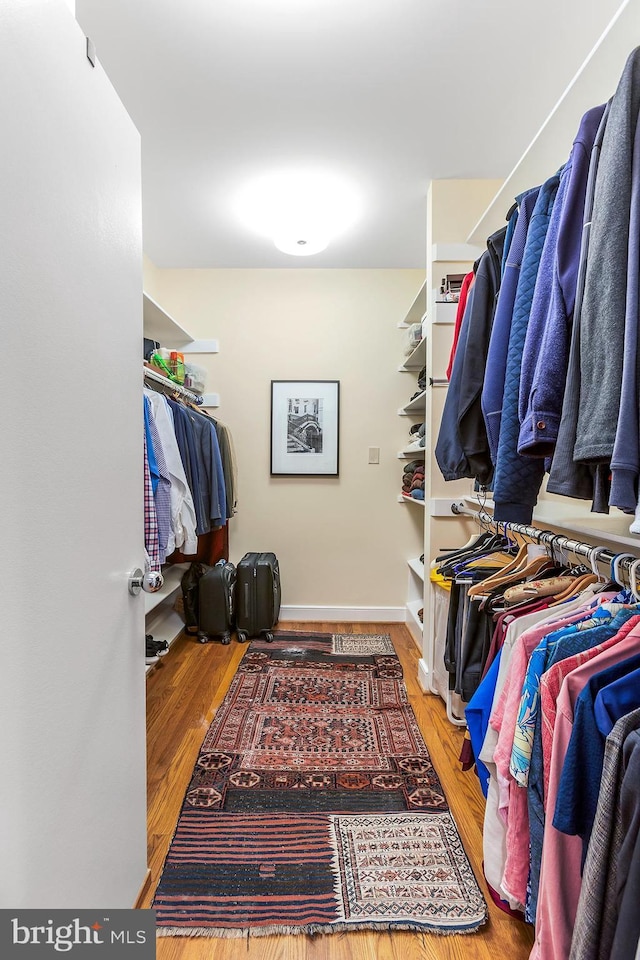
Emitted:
<point x="314" y="806"/>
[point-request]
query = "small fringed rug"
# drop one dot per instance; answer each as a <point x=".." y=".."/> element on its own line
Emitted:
<point x="314" y="806"/>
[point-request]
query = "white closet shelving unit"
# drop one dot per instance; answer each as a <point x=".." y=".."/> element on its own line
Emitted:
<point x="413" y="364"/>
<point x="161" y="620"/>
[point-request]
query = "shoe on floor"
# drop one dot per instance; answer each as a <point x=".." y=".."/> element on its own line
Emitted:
<point x="154" y="649"/>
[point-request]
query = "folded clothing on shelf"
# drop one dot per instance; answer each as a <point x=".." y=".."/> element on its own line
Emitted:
<point x="413" y="480"/>
<point x="416" y="436"/>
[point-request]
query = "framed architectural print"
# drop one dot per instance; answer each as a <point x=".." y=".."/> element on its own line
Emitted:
<point x="305" y="428"/>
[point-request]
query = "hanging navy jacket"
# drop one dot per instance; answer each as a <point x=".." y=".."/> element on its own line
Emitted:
<point x="493" y="388"/>
<point x="518" y="479"/>
<point x="471" y="425"/>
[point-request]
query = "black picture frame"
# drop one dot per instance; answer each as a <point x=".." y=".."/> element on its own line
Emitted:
<point x="305" y="428"/>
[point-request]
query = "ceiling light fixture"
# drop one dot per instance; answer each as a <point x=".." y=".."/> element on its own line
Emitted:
<point x="301" y="211"/>
<point x="301" y="248"/>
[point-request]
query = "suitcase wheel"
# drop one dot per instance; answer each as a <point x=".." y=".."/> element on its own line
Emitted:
<point x="242" y="636"/>
<point x="268" y="636"/>
<point x="226" y="638"/>
<point x="202" y="638"/>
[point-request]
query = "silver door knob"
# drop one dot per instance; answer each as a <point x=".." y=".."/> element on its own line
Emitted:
<point x="150" y="581"/>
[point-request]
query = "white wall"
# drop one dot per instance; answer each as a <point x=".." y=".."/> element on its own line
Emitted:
<point x="341" y="542"/>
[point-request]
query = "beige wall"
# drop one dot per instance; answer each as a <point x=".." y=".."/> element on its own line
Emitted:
<point x="340" y="542"/>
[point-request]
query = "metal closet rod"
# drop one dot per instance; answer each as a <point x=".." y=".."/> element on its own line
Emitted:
<point x="548" y="537"/>
<point x="171" y="385"/>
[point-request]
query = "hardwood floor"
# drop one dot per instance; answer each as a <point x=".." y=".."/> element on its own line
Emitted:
<point x="183" y="693"/>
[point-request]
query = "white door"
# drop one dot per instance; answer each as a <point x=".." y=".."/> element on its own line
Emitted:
<point x="72" y="726"/>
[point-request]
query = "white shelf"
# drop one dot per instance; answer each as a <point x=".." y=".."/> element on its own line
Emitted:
<point x="416" y="359"/>
<point x="578" y="521"/>
<point x="418" y="308"/>
<point x="161" y="620"/>
<point x="415" y="454"/>
<point x="164" y="625"/>
<point x="172" y="575"/>
<point x="413" y="620"/>
<point x="455" y="252"/>
<point x="444" y="312"/>
<point x="595" y="82"/>
<point x="403" y="499"/>
<point x="417" y="405"/>
<point x="159" y="325"/>
<point x="200" y="346"/>
<point x="417" y="566"/>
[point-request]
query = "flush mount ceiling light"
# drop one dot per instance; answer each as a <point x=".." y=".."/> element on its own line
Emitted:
<point x="301" y="247"/>
<point x="300" y="211"/>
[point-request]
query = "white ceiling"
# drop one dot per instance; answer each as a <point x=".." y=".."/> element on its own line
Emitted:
<point x="387" y="94"/>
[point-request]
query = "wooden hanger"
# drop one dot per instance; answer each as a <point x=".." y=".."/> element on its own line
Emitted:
<point x="519" y="567"/>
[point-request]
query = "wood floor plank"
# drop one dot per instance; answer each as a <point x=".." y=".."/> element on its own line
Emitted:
<point x="183" y="692"/>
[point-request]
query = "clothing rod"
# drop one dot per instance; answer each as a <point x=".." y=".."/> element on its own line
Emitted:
<point x="547" y="537"/>
<point x="438" y="382"/>
<point x="158" y="378"/>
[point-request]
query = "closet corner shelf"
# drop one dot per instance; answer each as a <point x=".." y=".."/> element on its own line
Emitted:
<point x="403" y="499"/>
<point x="416" y="405"/>
<point x="416" y="359"/>
<point x="417" y="566"/>
<point x="572" y="518"/>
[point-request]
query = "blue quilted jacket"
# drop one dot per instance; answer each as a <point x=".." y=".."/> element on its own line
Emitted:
<point x="517" y="478"/>
<point x="493" y="388"/>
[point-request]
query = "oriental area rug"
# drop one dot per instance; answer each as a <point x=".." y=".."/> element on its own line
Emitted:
<point x="314" y="806"/>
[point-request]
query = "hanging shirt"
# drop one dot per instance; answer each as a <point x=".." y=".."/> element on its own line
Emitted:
<point x="477" y="714"/>
<point x="183" y="517"/>
<point x="627" y="933"/>
<point x="162" y="489"/>
<point x="494" y="834"/>
<point x="150" y="520"/>
<point x="596" y="916"/>
<point x="562" y="854"/>
<point x="530" y="698"/>
<point x="578" y="791"/>
<point x="581" y="639"/>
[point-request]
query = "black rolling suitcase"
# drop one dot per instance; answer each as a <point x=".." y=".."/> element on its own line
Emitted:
<point x="216" y="590"/>
<point x="189" y="583"/>
<point x="257" y="595"/>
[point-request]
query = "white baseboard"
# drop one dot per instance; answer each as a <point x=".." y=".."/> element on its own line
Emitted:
<point x="356" y="614"/>
<point x="423" y="676"/>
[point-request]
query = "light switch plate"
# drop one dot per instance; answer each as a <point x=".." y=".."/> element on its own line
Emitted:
<point x="374" y="454"/>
